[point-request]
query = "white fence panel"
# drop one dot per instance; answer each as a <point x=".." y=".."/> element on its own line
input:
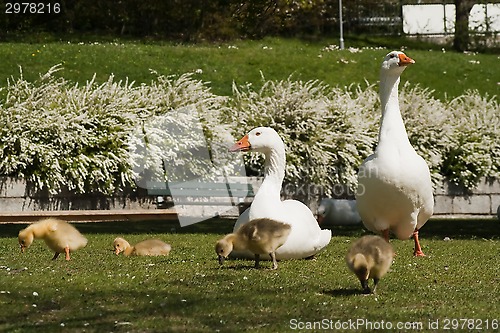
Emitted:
<point x="431" y="19"/>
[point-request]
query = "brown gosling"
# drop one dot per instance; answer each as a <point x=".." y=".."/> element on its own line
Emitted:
<point x="259" y="236"/>
<point x="150" y="247"/>
<point x="370" y="258"/>
<point x="60" y="236"/>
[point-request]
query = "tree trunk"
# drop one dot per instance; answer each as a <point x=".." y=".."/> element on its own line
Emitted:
<point x="462" y="11"/>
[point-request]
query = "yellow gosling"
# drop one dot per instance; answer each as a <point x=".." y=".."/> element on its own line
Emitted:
<point x="370" y="258"/>
<point x="150" y="247"/>
<point x="60" y="236"/>
<point x="259" y="236"/>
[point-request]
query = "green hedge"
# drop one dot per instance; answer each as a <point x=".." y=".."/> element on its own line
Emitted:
<point x="91" y="138"/>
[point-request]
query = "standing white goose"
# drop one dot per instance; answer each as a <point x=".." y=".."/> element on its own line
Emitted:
<point x="394" y="184"/>
<point x="306" y="237"/>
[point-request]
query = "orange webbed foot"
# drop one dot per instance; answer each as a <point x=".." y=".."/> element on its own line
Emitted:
<point x="418" y="253"/>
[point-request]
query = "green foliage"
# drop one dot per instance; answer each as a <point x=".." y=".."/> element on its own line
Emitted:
<point x="104" y="137"/>
<point x="243" y="61"/>
<point x="192" y="20"/>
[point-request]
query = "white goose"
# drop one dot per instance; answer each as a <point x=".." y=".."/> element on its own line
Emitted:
<point x="394" y="185"/>
<point x="306" y="237"/>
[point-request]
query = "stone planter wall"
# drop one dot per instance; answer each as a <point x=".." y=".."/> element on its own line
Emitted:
<point x="453" y="200"/>
<point x="15" y="196"/>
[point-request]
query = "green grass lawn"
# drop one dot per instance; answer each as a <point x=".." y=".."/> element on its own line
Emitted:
<point x="449" y="73"/>
<point x="187" y="291"/>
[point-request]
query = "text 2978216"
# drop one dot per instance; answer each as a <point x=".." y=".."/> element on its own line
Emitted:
<point x="32" y="8"/>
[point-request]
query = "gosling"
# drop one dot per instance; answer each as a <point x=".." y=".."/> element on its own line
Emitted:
<point x="259" y="236"/>
<point x="59" y="235"/>
<point x="370" y="258"/>
<point x="150" y="247"/>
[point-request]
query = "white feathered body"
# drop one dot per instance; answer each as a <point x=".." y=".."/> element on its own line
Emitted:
<point x="394" y="184"/>
<point x="395" y="192"/>
<point x="306" y="237"/>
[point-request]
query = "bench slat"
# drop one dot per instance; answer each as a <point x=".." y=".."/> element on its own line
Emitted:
<point x="199" y="189"/>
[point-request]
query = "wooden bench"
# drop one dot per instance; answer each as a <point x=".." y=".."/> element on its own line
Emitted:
<point x="89" y="215"/>
<point x="201" y="194"/>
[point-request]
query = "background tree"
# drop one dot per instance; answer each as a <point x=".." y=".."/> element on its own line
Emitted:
<point x="462" y="12"/>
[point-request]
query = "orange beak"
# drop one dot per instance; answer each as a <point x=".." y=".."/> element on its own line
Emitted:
<point x="404" y="60"/>
<point x="242" y="145"/>
<point x="117" y="251"/>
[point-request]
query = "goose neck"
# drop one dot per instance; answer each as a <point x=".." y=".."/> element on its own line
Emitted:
<point x="392" y="128"/>
<point x="267" y="200"/>
<point x="274" y="167"/>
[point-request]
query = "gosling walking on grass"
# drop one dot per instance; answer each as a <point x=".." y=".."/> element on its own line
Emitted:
<point x="259" y="236"/>
<point x="60" y="236"/>
<point x="370" y="258"/>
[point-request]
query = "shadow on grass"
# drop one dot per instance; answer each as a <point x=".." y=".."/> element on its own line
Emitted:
<point x="435" y="228"/>
<point x="342" y="292"/>
<point x="438" y="228"/>
<point x="249" y="265"/>
<point x="461" y="229"/>
<point x="209" y="226"/>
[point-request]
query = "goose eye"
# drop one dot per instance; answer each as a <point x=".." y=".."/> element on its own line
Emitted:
<point x="258" y="134"/>
<point x="393" y="55"/>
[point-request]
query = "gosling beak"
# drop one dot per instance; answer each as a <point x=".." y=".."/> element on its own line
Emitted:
<point x="242" y="145"/>
<point x="404" y="60"/>
<point x="117" y="251"/>
<point x="23" y="248"/>
<point x="221" y="259"/>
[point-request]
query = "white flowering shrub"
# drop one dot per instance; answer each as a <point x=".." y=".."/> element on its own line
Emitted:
<point x="325" y="130"/>
<point x="459" y="139"/>
<point x="353" y="129"/>
<point x="58" y="135"/>
<point x="104" y="138"/>
<point x="474" y="150"/>
<point x="296" y="110"/>
<point x="329" y="131"/>
<point x="178" y="130"/>
<point x="427" y="122"/>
